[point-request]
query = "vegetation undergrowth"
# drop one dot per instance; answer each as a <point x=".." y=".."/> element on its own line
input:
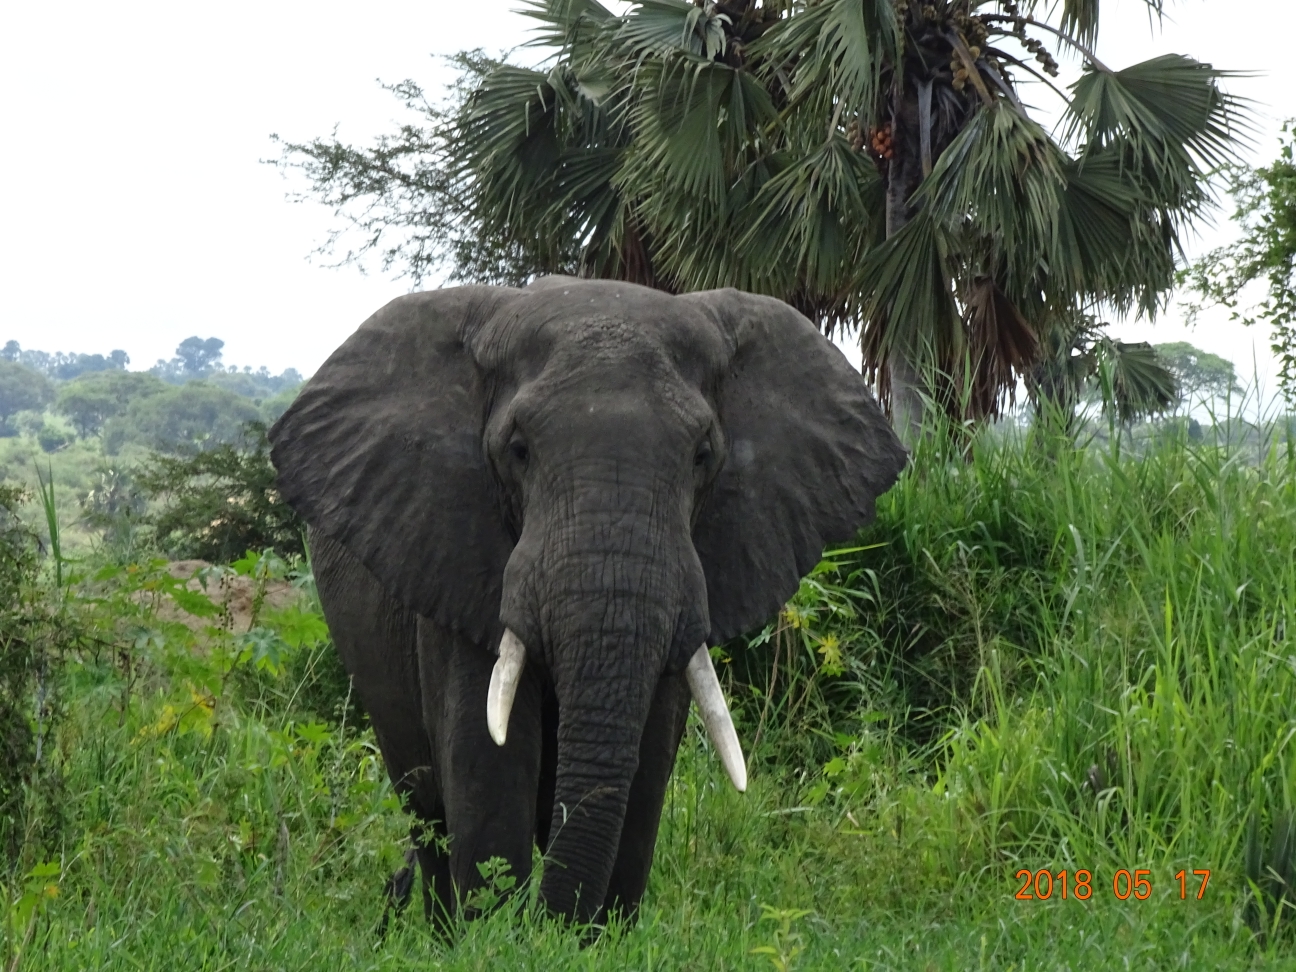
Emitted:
<point x="1037" y="658"/>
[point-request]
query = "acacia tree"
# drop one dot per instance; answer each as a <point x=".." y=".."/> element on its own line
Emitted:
<point x="91" y="400"/>
<point x="1198" y="374"/>
<point x="21" y="389"/>
<point x="869" y="161"/>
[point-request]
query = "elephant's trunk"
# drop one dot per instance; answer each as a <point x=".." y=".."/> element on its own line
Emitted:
<point x="609" y="648"/>
<point x="603" y="589"/>
<point x="599" y="733"/>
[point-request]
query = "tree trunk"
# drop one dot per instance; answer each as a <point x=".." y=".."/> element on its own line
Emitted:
<point x="905" y="360"/>
<point x="907" y="388"/>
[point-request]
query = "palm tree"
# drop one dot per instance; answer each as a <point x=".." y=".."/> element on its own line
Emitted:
<point x="869" y="161"/>
<point x="1077" y="358"/>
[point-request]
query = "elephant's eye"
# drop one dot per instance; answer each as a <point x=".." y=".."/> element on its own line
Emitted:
<point x="518" y="450"/>
<point x="703" y="454"/>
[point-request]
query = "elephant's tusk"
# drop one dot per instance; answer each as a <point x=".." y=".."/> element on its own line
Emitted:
<point x="504" y="685"/>
<point x="711" y="705"/>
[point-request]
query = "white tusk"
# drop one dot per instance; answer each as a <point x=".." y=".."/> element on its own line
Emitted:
<point x="711" y="705"/>
<point x="504" y="685"/>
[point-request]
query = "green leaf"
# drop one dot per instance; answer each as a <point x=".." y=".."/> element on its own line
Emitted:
<point x="296" y="627"/>
<point x="267" y="648"/>
<point x="1080" y="17"/>
<point x="1138" y="382"/>
<point x="563" y="22"/>
<point x="815" y="220"/>
<point x="195" y="603"/>
<point x="47" y="869"/>
<point x="692" y="122"/>
<point x="1112" y="243"/>
<point x="314" y="733"/>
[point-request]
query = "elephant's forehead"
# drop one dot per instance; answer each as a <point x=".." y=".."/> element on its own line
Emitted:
<point x="601" y="322"/>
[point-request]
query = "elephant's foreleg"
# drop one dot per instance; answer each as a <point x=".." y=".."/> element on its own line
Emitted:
<point x="377" y="641"/>
<point x="548" y="767"/>
<point x="489" y="791"/>
<point x="657" y="748"/>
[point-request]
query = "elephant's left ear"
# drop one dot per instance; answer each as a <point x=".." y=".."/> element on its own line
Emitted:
<point x="809" y="452"/>
<point x="382" y="452"/>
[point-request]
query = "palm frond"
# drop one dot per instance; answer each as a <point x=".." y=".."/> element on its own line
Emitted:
<point x="815" y="220"/>
<point x="1147" y="137"/>
<point x="1135" y="381"/>
<point x="841" y="45"/>
<point x="563" y="24"/>
<point x="509" y="104"/>
<point x="692" y="119"/>
<point x="541" y="156"/>
<point x="1080" y="18"/>
<point x="508" y="136"/>
<point x="1168" y="102"/>
<point x="1111" y="244"/>
<point x="1002" y="174"/>
<point x="666" y="27"/>
<point x="586" y="202"/>
<point x="910" y="301"/>
<point x="1003" y="345"/>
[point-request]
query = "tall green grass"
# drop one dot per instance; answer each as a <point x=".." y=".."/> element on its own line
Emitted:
<point x="1087" y="654"/>
<point x="1036" y="658"/>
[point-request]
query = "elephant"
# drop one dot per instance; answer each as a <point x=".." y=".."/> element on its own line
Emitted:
<point x="530" y="511"/>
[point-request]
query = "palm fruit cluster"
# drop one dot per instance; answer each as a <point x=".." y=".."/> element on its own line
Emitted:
<point x="961" y="74"/>
<point x="1036" y="47"/>
<point x="1041" y="53"/>
<point x="973" y="29"/>
<point x="976" y="34"/>
<point x="855" y="135"/>
<point x="880" y="142"/>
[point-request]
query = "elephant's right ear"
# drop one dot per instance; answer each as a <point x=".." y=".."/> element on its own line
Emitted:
<point x="809" y="454"/>
<point x="382" y="451"/>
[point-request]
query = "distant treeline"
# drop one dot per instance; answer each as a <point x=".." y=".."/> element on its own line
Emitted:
<point x="64" y="367"/>
<point x="191" y="402"/>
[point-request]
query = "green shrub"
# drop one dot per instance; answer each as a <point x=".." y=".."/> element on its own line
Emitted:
<point x="219" y="503"/>
<point x="51" y="438"/>
<point x="114" y="506"/>
<point x="32" y="630"/>
<point x="17" y="744"/>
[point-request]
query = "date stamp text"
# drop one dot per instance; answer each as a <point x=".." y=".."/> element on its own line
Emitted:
<point x="1079" y="885"/>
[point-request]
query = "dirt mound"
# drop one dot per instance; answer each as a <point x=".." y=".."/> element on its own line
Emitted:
<point x="231" y="591"/>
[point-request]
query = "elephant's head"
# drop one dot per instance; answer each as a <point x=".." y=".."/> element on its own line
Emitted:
<point x="596" y="479"/>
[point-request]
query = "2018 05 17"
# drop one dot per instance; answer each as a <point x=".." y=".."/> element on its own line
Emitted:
<point x="1125" y="885"/>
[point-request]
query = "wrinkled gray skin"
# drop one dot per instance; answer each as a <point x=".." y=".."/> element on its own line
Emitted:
<point x="617" y="475"/>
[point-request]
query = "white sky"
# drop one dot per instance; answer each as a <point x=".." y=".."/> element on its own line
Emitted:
<point x="135" y="210"/>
